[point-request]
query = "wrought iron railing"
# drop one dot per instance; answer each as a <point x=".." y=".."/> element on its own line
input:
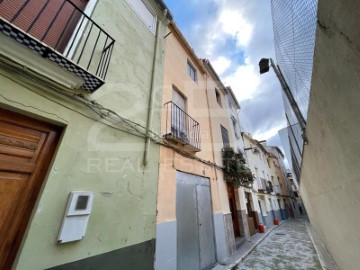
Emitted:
<point x="269" y="187"/>
<point x="181" y="126"/>
<point x="277" y="189"/>
<point x="71" y="38"/>
<point x="262" y="184"/>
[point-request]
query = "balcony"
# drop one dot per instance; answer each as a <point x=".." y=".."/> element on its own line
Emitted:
<point x="277" y="189"/>
<point x="262" y="187"/>
<point x="181" y="128"/>
<point x="269" y="187"/>
<point x="60" y="31"/>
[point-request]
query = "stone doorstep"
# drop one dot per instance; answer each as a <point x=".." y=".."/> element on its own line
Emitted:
<point x="239" y="255"/>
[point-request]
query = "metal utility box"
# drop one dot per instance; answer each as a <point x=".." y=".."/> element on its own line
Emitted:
<point x="76" y="216"/>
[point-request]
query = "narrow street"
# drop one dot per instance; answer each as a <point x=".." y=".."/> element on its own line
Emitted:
<point x="287" y="247"/>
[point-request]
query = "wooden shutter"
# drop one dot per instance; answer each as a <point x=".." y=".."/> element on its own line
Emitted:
<point x="37" y="15"/>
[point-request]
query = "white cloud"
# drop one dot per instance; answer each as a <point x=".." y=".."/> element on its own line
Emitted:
<point x="248" y="24"/>
<point x="265" y="135"/>
<point x="244" y="81"/>
<point x="233" y="23"/>
<point x="221" y="64"/>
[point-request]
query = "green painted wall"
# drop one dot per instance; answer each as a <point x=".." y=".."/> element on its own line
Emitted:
<point x="95" y="157"/>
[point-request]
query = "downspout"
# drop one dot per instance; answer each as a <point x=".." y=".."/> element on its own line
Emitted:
<point x="152" y="86"/>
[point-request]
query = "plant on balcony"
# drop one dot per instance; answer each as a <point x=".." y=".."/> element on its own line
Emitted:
<point x="235" y="172"/>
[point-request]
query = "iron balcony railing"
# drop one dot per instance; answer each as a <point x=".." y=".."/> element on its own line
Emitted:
<point x="262" y="184"/>
<point x="277" y="189"/>
<point x="269" y="187"/>
<point x="60" y="31"/>
<point x="182" y="128"/>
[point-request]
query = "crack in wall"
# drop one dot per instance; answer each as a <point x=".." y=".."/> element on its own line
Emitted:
<point x="32" y="107"/>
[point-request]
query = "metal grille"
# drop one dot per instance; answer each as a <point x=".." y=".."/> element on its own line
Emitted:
<point x="294" y="24"/>
<point x="60" y="31"/>
<point x="181" y="127"/>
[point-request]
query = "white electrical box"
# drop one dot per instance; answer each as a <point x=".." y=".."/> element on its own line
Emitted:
<point x="76" y="216"/>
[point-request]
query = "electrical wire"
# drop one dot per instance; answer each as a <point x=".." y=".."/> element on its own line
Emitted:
<point x="106" y="116"/>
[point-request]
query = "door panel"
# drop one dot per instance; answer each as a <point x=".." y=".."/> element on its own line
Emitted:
<point x="187" y="227"/>
<point x="11" y="186"/>
<point x="26" y="150"/>
<point x="195" y="231"/>
<point x="206" y="228"/>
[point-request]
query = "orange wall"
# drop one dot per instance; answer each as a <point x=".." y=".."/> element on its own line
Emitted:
<point x="175" y="74"/>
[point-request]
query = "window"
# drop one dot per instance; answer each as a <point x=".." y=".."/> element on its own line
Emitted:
<point x="191" y="71"/>
<point x="234" y="122"/>
<point x="178" y="120"/>
<point x="225" y="136"/>
<point x="178" y="99"/>
<point x="144" y="13"/>
<point x="218" y="97"/>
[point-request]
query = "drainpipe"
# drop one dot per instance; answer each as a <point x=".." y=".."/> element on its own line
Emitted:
<point x="152" y="86"/>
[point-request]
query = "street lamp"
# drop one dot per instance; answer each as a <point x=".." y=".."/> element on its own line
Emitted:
<point x="264" y="65"/>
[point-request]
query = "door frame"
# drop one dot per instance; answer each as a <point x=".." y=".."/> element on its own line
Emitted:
<point x="234" y="213"/>
<point x="50" y="146"/>
<point x="249" y="200"/>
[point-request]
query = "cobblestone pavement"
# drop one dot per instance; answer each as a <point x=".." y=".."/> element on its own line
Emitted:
<point x="287" y="247"/>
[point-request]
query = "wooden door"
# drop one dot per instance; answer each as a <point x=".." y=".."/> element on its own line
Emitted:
<point x="233" y="210"/>
<point x="252" y="216"/>
<point x="26" y="150"/>
<point x="51" y="21"/>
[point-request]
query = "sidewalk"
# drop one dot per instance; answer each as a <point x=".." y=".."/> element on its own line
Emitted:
<point x="325" y="258"/>
<point x="231" y="261"/>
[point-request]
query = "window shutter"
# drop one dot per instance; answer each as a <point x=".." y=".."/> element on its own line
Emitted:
<point x="178" y="99"/>
<point x="144" y="13"/>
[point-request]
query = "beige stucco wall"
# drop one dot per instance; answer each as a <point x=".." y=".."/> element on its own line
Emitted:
<point x="175" y="74"/>
<point x="330" y="184"/>
<point x="219" y="115"/>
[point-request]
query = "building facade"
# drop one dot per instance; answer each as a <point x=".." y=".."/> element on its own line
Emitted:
<point x="76" y="89"/>
<point x="184" y="175"/>
<point x="269" y="194"/>
<point x="198" y="222"/>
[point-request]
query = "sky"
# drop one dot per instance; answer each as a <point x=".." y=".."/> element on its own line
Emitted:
<point x="234" y="35"/>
